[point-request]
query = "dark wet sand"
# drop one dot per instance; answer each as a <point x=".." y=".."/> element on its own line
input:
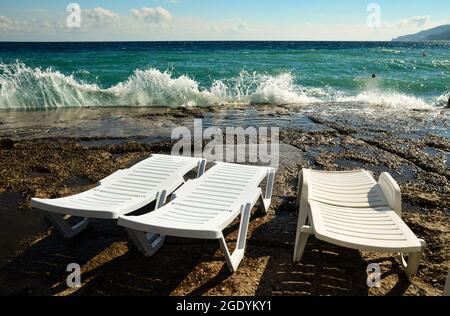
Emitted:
<point x="33" y="258"/>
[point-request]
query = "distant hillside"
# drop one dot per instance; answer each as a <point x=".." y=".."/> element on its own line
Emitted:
<point x="440" y="33"/>
<point x="445" y="36"/>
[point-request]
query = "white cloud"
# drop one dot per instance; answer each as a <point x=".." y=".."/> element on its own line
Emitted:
<point x="155" y="16"/>
<point x="415" y="21"/>
<point x="192" y="28"/>
<point x="33" y="26"/>
<point x="99" y="15"/>
<point x="103" y="24"/>
<point x="5" y="23"/>
<point x="240" y="27"/>
<point x="412" y="22"/>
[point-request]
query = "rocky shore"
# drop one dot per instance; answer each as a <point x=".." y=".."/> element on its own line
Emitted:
<point x="33" y="258"/>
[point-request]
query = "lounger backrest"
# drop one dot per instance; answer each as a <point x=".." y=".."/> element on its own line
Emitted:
<point x="358" y="189"/>
<point x="222" y="187"/>
<point x="150" y="175"/>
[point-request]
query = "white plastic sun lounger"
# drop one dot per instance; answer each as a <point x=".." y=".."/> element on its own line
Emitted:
<point x="350" y="209"/>
<point x="204" y="207"/>
<point x="121" y="193"/>
<point x="447" y="286"/>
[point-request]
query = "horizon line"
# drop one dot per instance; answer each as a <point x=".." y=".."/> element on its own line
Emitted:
<point x="225" y="40"/>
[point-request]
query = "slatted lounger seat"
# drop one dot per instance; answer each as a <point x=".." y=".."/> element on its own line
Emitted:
<point x="121" y="193"/>
<point x="204" y="207"/>
<point x="350" y="209"/>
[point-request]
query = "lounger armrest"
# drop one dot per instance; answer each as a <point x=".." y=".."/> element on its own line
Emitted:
<point x="251" y="196"/>
<point x="392" y="192"/>
<point x="303" y="195"/>
<point x="303" y="186"/>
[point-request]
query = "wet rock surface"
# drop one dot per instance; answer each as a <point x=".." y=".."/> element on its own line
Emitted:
<point x="33" y="257"/>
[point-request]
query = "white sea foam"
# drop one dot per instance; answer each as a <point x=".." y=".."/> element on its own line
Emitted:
<point x="280" y="90"/>
<point x="443" y="99"/>
<point x="25" y="87"/>
<point x="152" y="87"/>
<point x="372" y="93"/>
<point x="392" y="99"/>
<point x="391" y="51"/>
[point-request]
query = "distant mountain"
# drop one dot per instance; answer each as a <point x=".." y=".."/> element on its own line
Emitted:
<point x="440" y="33"/>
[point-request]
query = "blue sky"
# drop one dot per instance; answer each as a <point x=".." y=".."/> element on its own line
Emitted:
<point x="218" y="19"/>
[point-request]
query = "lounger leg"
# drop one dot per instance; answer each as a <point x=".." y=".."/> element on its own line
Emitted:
<point x="161" y="199"/>
<point x="147" y="243"/>
<point x="64" y="228"/>
<point x="266" y="200"/>
<point x="412" y="265"/>
<point x="303" y="231"/>
<point x="302" y="239"/>
<point x="233" y="260"/>
<point x="201" y="168"/>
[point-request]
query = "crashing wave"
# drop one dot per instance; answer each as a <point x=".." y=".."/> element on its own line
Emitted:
<point x="23" y="87"/>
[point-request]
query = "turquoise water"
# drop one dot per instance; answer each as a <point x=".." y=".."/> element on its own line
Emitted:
<point x="52" y="75"/>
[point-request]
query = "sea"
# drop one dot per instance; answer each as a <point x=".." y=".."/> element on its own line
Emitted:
<point x="36" y="76"/>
